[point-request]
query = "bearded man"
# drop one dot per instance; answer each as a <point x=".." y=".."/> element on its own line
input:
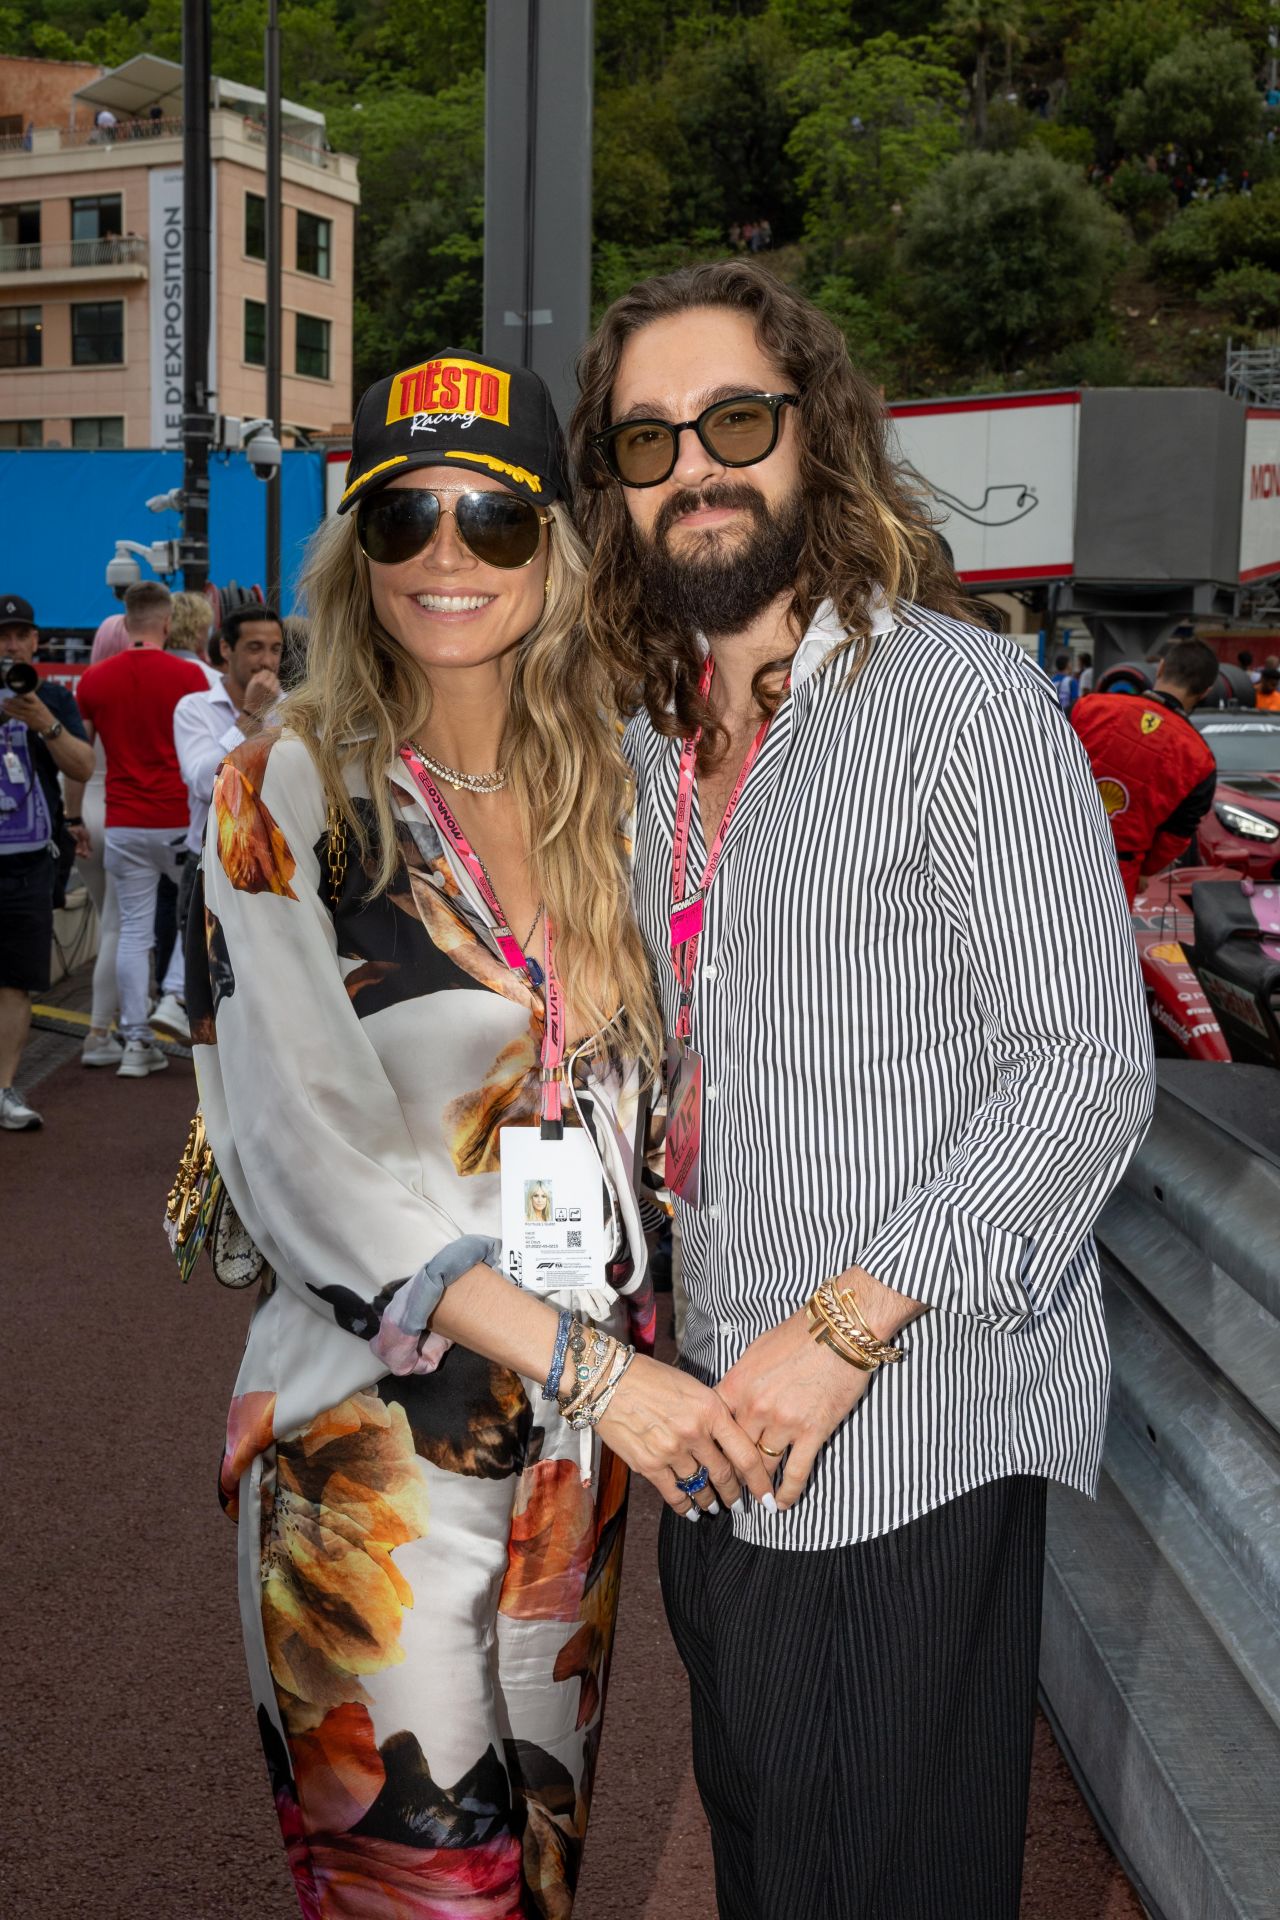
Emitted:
<point x="897" y="1100"/>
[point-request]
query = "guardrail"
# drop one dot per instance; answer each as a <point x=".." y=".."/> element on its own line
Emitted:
<point x="1160" y="1668"/>
<point x="120" y="250"/>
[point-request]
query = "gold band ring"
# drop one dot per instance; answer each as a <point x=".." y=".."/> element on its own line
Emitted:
<point x="774" y="1453"/>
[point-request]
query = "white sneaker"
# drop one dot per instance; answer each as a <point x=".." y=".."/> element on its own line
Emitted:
<point x="102" y="1050"/>
<point x="15" y="1114"/>
<point x="170" y="1019"/>
<point x="139" y="1059"/>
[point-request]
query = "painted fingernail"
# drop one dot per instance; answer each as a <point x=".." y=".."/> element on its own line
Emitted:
<point x="714" y="1507"/>
<point x="740" y="1502"/>
<point x="692" y="1513"/>
<point x="769" y="1504"/>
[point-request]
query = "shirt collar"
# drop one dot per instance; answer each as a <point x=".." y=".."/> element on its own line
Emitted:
<point x="828" y="632"/>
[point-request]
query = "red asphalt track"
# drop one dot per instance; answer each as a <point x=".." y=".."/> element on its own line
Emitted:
<point x="135" y="1787"/>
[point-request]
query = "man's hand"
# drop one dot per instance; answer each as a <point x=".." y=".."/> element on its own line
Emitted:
<point x="31" y="710"/>
<point x="84" y="846"/>
<point x="261" y="694"/>
<point x="786" y="1391"/>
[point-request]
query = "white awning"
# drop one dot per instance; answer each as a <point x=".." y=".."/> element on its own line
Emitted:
<point x="141" y="83"/>
<point x="147" y="81"/>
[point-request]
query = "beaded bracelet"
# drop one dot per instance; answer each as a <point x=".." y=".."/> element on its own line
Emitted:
<point x="589" y="1378"/>
<point x="551" y="1385"/>
<point x="588" y="1411"/>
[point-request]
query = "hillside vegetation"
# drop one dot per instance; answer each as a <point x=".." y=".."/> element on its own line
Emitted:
<point x="1016" y="194"/>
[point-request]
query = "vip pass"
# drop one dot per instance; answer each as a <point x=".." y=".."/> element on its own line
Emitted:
<point x="836" y="1321"/>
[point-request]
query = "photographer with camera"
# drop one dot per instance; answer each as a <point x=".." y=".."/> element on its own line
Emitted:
<point x="41" y="736"/>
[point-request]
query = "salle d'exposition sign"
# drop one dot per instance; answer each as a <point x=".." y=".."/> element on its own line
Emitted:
<point x="167" y="308"/>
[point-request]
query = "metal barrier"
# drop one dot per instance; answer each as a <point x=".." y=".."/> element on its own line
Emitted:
<point x="40" y="256"/>
<point x="1160" y="1668"/>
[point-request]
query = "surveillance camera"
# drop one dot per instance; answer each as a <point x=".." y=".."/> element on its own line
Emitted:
<point x="264" y="454"/>
<point x="123" y="572"/>
<point x="171" y="502"/>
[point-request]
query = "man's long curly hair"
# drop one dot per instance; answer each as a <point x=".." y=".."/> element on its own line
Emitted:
<point x="868" y="531"/>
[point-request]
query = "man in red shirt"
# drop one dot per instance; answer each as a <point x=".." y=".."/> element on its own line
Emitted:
<point x="129" y="702"/>
<point x="1155" y="773"/>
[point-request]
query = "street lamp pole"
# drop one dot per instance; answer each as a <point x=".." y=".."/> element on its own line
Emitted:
<point x="197" y="168"/>
<point x="274" y="315"/>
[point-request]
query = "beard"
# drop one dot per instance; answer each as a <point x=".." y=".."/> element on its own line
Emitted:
<point x="726" y="579"/>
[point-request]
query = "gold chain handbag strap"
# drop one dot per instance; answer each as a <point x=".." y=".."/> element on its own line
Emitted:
<point x="335" y="856"/>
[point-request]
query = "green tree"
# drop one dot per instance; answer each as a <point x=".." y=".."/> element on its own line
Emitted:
<point x="1113" y="52"/>
<point x="1202" y="96"/>
<point x="985" y="28"/>
<point x="1010" y="254"/>
<point x="873" y="126"/>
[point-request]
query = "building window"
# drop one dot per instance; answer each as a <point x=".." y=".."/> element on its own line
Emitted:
<point x="21" y="433"/>
<point x="96" y="432"/>
<point x="255" y="226"/>
<point x="315" y="244"/>
<point x="97" y="334"/>
<point x="21" y="336"/>
<point x="20" y="236"/>
<point x="311" y="347"/>
<point x="255" y="333"/>
<point x="97" y="217"/>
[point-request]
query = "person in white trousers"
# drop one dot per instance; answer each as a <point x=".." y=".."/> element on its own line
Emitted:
<point x="128" y="702"/>
<point x="87" y="819"/>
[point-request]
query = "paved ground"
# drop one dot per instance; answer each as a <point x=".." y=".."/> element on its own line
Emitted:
<point x="135" y="1788"/>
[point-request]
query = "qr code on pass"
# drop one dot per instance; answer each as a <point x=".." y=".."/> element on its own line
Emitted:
<point x="575" y="1239"/>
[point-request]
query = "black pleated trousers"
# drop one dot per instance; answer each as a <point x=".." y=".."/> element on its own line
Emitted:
<point x="862" y="1716"/>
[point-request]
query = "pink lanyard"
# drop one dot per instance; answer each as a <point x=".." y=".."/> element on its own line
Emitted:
<point x="553" y="1047"/>
<point x="687" y="914"/>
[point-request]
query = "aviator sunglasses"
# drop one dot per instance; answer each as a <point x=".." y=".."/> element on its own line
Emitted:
<point x="736" y="433"/>
<point x="500" y="529"/>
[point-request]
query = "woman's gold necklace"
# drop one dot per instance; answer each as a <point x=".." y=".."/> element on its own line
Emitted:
<point x="468" y="782"/>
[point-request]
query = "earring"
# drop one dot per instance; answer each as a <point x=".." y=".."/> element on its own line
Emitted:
<point x="546" y="589"/>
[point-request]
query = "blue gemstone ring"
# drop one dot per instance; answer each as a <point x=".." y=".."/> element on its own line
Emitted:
<point x="695" y="1483"/>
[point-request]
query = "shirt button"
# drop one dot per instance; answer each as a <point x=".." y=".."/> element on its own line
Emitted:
<point x="712" y="1092"/>
<point x="711" y="973"/>
<point x="713" y="1213"/>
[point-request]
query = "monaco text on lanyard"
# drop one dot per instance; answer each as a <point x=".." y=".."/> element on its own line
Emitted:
<point x="684" y="1066"/>
<point x="553" y="1042"/>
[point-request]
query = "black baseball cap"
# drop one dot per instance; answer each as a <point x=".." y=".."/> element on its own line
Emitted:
<point x="457" y="410"/>
<point x="15" y="611"/>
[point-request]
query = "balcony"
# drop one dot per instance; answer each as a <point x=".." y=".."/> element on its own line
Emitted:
<point x="60" y="262"/>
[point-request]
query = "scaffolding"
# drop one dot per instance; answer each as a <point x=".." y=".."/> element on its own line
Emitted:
<point x="1253" y="373"/>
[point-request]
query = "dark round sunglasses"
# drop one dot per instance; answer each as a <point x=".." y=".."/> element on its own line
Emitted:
<point x="736" y="433"/>
<point x="499" y="528"/>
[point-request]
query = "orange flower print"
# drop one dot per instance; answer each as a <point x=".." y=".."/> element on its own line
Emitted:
<point x="586" y="1655"/>
<point x="249" y="1433"/>
<point x="337" y="1769"/>
<point x="348" y="1491"/>
<point x="553" y="1537"/>
<point x="508" y="1097"/>
<point x="254" y="853"/>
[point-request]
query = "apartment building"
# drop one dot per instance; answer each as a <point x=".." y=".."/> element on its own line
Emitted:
<point x="91" y="197"/>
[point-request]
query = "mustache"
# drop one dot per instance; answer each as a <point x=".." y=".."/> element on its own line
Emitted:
<point x="721" y="493"/>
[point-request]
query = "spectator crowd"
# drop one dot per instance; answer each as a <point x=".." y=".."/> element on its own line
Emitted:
<point x="116" y="779"/>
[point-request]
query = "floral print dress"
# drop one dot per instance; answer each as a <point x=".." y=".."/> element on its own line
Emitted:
<point x="427" y="1587"/>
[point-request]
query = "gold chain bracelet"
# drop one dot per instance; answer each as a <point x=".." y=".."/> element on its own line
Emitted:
<point x="845" y="1332"/>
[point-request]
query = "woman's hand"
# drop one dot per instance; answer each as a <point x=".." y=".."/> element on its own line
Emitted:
<point x="666" y="1425"/>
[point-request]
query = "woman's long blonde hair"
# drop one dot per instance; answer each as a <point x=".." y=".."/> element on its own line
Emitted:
<point x="363" y="696"/>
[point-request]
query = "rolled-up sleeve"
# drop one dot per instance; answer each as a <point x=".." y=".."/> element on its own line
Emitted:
<point x="1023" y="865"/>
<point x="306" y="1128"/>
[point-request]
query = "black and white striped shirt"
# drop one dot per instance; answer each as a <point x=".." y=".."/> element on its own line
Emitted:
<point x="926" y="1052"/>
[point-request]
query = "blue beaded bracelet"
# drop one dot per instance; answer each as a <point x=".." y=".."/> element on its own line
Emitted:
<point x="551" y="1386"/>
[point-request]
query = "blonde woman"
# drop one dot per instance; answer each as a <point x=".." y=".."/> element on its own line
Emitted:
<point x="424" y="991"/>
<point x="190" y="624"/>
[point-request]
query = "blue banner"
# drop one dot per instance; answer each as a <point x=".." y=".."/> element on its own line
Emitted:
<point x="61" y="514"/>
